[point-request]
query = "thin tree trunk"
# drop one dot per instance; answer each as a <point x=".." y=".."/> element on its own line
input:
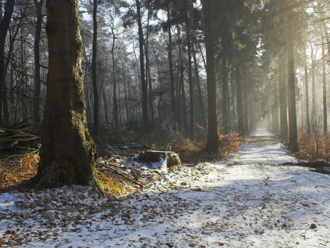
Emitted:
<point x="245" y="106"/>
<point x="105" y="100"/>
<point x="276" y="119"/>
<point x="148" y="76"/>
<point x="293" y="137"/>
<point x="96" y="97"/>
<point x="191" y="89"/>
<point x="173" y="109"/>
<point x="114" y="75"/>
<point x="5" y="21"/>
<point x="240" y="119"/>
<point x="283" y="107"/>
<point x="143" y="83"/>
<point x="225" y="116"/>
<point x="200" y="98"/>
<point x="313" y="83"/>
<point x="325" y="110"/>
<point x="24" y="99"/>
<point x="36" y="99"/>
<point x="126" y="98"/>
<point x="307" y="101"/>
<point x="180" y="72"/>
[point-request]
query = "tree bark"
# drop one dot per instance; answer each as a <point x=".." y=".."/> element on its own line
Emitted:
<point x="225" y="115"/>
<point x="293" y="137"/>
<point x="245" y="105"/>
<point x="173" y="109"/>
<point x="68" y="152"/>
<point x="148" y="76"/>
<point x="200" y="98"/>
<point x="114" y="75"/>
<point x="325" y="110"/>
<point x="307" y="101"/>
<point x="240" y="120"/>
<point x="213" y="137"/>
<point x="283" y="107"/>
<point x="36" y="99"/>
<point x="5" y="21"/>
<point x="191" y="89"/>
<point x="143" y="83"/>
<point x="105" y="102"/>
<point x="313" y="83"/>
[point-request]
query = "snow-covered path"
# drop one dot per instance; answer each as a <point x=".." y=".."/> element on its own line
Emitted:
<point x="251" y="201"/>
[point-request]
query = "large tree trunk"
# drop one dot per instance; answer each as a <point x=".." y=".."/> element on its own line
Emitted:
<point x="293" y="139"/>
<point x="213" y="137"/>
<point x="143" y="83"/>
<point x="36" y="99"/>
<point x="9" y="7"/>
<point x="96" y="96"/>
<point x="68" y="152"/>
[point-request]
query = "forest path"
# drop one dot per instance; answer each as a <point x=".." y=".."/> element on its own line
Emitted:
<point x="252" y="200"/>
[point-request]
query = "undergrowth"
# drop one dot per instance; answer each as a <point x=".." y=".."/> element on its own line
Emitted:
<point x="15" y="173"/>
<point x="313" y="147"/>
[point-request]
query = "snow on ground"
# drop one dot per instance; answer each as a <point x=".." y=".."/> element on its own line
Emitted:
<point x="250" y="201"/>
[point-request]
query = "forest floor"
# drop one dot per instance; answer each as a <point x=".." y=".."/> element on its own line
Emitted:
<point x="250" y="200"/>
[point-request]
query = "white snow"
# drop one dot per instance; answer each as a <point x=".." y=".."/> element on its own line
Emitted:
<point x="249" y="201"/>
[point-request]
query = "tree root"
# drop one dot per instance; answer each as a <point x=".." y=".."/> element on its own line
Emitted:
<point x="120" y="174"/>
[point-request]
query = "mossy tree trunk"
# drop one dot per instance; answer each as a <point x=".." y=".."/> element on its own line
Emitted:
<point x="68" y="152"/>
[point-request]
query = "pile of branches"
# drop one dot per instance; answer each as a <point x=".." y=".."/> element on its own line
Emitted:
<point x="19" y="140"/>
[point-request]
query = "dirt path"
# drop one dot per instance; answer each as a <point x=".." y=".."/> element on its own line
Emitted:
<point x="250" y="201"/>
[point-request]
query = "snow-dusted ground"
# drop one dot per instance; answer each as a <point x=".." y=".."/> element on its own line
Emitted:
<point x="250" y="201"/>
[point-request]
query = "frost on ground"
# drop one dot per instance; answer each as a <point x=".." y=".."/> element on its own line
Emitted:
<point x="250" y="201"/>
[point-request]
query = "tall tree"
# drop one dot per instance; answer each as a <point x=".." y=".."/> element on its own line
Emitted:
<point x="283" y="106"/>
<point x="96" y="97"/>
<point x="293" y="132"/>
<point x="143" y="80"/>
<point x="240" y="120"/>
<point x="191" y="89"/>
<point x="213" y="137"/>
<point x="68" y="153"/>
<point x="307" y="100"/>
<point x="324" y="77"/>
<point x="37" y="36"/>
<point x="5" y="21"/>
<point x="173" y="114"/>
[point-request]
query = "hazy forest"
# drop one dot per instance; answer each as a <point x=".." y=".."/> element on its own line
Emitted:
<point x="159" y="74"/>
<point x="113" y="98"/>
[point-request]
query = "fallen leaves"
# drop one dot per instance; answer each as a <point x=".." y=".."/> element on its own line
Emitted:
<point x="14" y="171"/>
